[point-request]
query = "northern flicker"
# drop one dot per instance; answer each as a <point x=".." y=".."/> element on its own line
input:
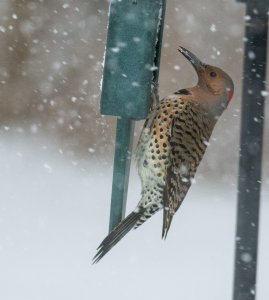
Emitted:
<point x="171" y="146"/>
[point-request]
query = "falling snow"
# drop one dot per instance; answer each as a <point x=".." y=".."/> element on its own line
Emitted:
<point x="213" y="28"/>
<point x="56" y="153"/>
<point x="251" y="55"/>
<point x="246" y="257"/>
<point x="264" y="93"/>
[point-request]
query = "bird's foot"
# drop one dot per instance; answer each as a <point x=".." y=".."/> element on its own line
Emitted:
<point x="134" y="1"/>
<point x="154" y="94"/>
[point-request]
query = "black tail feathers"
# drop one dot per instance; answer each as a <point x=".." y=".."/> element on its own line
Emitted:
<point x="117" y="234"/>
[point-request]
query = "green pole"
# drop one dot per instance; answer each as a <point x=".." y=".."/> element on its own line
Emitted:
<point x="122" y="161"/>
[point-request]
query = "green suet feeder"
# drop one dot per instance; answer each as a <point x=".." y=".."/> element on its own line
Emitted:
<point x="131" y="63"/>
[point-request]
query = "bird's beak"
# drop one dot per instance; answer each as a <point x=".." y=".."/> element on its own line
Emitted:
<point x="195" y="61"/>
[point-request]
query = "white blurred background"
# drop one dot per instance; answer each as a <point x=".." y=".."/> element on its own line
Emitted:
<point x="56" y="155"/>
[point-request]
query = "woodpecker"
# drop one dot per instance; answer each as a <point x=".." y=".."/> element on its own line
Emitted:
<point x="171" y="146"/>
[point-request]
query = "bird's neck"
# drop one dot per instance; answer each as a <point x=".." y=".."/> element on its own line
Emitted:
<point x="213" y="104"/>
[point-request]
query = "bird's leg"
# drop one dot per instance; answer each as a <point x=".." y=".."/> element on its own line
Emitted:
<point x="154" y="99"/>
<point x="134" y="1"/>
<point x="154" y="95"/>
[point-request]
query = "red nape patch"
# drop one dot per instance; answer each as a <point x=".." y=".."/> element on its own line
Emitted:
<point x="230" y="95"/>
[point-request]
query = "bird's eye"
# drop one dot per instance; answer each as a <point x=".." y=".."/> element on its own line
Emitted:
<point x="213" y="74"/>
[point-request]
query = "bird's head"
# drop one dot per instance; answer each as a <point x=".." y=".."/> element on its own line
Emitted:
<point x="214" y="89"/>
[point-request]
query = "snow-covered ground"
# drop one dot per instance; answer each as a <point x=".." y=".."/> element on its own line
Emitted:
<point x="54" y="213"/>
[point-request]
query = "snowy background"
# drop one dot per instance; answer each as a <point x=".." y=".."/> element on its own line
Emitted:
<point x="56" y="155"/>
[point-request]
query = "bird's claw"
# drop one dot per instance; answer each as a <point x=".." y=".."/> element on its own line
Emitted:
<point x="154" y="94"/>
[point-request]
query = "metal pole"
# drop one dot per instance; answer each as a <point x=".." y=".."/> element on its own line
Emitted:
<point x="251" y="142"/>
<point x="122" y="161"/>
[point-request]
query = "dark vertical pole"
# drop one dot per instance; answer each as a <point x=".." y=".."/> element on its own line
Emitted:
<point x="250" y="165"/>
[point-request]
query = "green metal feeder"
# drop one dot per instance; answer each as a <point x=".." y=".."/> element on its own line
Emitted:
<point x="131" y="63"/>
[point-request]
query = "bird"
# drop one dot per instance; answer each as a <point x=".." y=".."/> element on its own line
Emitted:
<point x="172" y="143"/>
